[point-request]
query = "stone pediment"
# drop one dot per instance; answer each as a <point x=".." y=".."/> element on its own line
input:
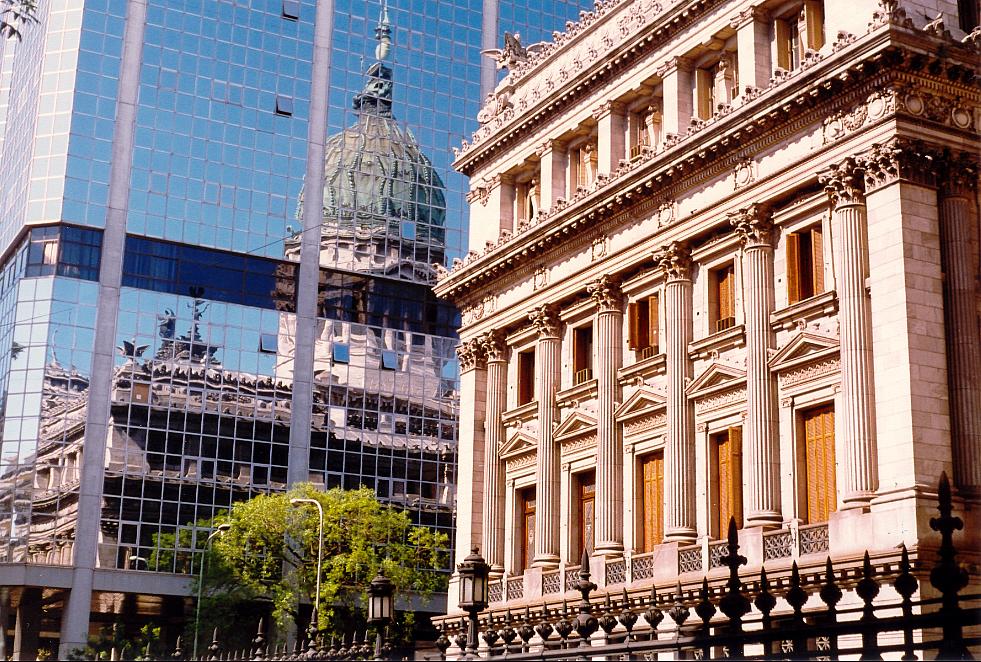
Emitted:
<point x="576" y="425"/>
<point x="520" y="443"/>
<point x="804" y="347"/>
<point x="717" y="377"/>
<point x="642" y="403"/>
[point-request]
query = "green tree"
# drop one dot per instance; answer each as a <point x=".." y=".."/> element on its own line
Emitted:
<point x="270" y="551"/>
<point x="14" y="14"/>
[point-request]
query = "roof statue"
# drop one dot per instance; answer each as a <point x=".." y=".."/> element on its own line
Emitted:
<point x="384" y="204"/>
<point x="513" y="52"/>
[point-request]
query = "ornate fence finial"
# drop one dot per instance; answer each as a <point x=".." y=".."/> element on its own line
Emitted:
<point x="906" y="585"/>
<point x="679" y="612"/>
<point x="259" y="643"/>
<point x="831" y="594"/>
<point x="867" y="588"/>
<point x="565" y="625"/>
<point x="627" y="617"/>
<point x="215" y="647"/>
<point x="442" y="641"/>
<point x="947" y="576"/>
<point x="705" y="611"/>
<point x="178" y="653"/>
<point x="607" y="621"/>
<point x="544" y="629"/>
<point x="586" y="623"/>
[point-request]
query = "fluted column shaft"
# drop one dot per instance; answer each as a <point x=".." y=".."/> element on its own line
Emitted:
<point x="609" y="444"/>
<point x="958" y="216"/>
<point x="493" y="524"/>
<point x="547" y="366"/>
<point x="761" y="451"/>
<point x="679" y="452"/>
<point x="858" y="467"/>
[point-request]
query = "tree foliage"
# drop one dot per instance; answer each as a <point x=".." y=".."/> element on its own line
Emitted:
<point x="14" y="14"/>
<point x="270" y="550"/>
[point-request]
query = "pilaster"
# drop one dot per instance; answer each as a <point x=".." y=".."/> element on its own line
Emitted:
<point x="855" y="450"/>
<point x="679" y="451"/>
<point x="554" y="163"/>
<point x="761" y="461"/>
<point x="611" y="119"/>
<point x="548" y="360"/>
<point x="605" y="293"/>
<point x="676" y="94"/>
<point x="753" y="44"/>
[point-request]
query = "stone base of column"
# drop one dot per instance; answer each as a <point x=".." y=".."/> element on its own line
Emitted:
<point x="546" y="562"/>
<point x="767" y="519"/>
<point x="496" y="572"/>
<point x="681" y="535"/>
<point x="860" y="500"/>
<point x="609" y="549"/>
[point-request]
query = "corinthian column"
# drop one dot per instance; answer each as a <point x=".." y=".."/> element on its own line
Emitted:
<point x="609" y="446"/>
<point x="857" y="469"/>
<point x="497" y="383"/>
<point x="958" y="219"/>
<point x="471" y="446"/>
<point x="679" y="451"/>
<point x="547" y="364"/>
<point x="761" y="468"/>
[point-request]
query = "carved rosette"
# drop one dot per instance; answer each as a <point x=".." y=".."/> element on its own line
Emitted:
<point x="844" y="183"/>
<point x="753" y="225"/>
<point x="470" y="354"/>
<point x="606" y="293"/>
<point x="545" y="319"/>
<point x="898" y="159"/>
<point x="959" y="174"/>
<point x="493" y="346"/>
<point x="675" y="260"/>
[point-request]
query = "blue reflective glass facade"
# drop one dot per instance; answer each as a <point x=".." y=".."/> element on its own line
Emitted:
<point x="189" y="396"/>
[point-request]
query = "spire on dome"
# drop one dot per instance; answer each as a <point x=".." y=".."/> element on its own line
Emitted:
<point x="376" y="95"/>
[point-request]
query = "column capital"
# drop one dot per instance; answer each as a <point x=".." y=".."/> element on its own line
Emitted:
<point x="494" y="347"/>
<point x="608" y="108"/>
<point x="898" y="159"/>
<point x="844" y="183"/>
<point x="672" y="65"/>
<point x="605" y="292"/>
<point x="470" y="355"/>
<point x="748" y="15"/>
<point x="753" y="225"/>
<point x="549" y="145"/>
<point x="675" y="260"/>
<point x="958" y="173"/>
<point x="545" y="319"/>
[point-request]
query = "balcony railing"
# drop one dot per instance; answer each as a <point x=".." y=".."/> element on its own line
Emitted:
<point x="583" y="376"/>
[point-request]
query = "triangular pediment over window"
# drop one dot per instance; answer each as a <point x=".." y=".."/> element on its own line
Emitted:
<point x="576" y="425"/>
<point x="803" y="348"/>
<point x="717" y="377"/>
<point x="520" y="443"/>
<point x="642" y="403"/>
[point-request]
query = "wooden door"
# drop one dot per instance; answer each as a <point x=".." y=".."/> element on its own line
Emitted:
<point x="652" y="504"/>
<point x="819" y="458"/>
<point x="528" y="528"/>
<point x="729" y="487"/>
<point x="587" y="513"/>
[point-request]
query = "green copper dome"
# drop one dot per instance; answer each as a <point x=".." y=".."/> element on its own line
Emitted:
<point x="381" y="193"/>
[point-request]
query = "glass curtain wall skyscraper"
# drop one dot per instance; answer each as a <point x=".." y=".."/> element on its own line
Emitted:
<point x="218" y="222"/>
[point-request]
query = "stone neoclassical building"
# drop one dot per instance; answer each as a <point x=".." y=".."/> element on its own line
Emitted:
<point x="724" y="263"/>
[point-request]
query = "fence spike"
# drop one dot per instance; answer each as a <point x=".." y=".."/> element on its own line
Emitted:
<point x="461" y="639"/>
<point x="564" y="626"/>
<point x="508" y="633"/>
<point x="796" y="597"/>
<point x="526" y="631"/>
<point x="214" y="648"/>
<point x="831" y="594"/>
<point x="442" y="641"/>
<point x="178" y="653"/>
<point x="705" y="610"/>
<point x="906" y="585"/>
<point x="544" y="629"/>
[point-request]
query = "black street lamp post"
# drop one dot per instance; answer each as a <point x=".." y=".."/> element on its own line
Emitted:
<point x="473" y="573"/>
<point x="381" y="607"/>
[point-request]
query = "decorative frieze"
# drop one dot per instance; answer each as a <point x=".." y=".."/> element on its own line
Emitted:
<point x="721" y="400"/>
<point x="645" y="424"/>
<point x="809" y="372"/>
